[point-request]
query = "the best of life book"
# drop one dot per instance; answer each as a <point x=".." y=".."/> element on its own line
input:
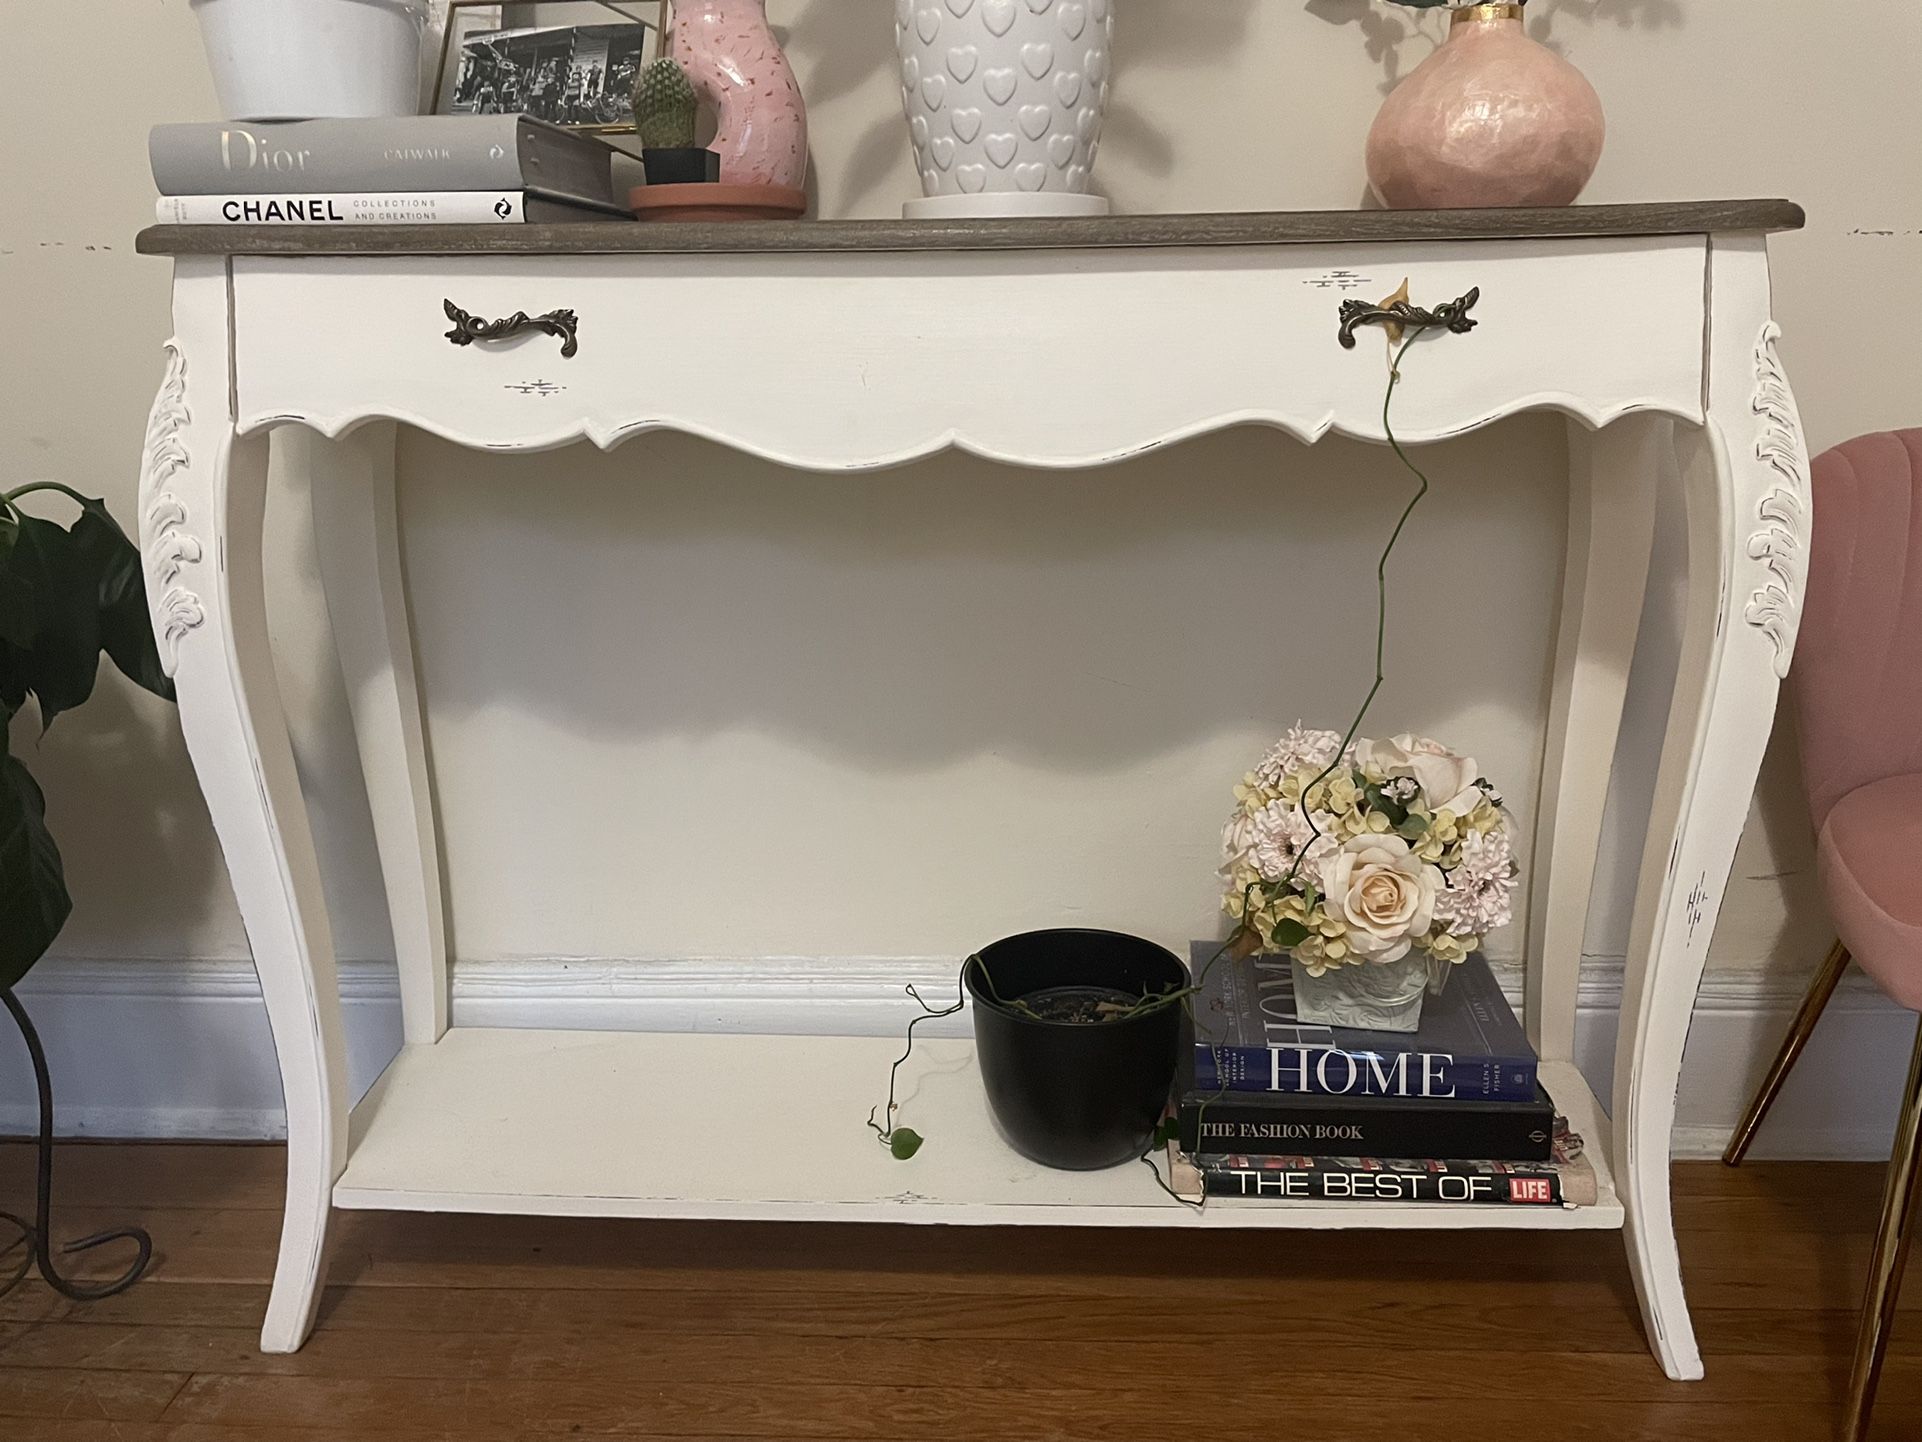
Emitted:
<point x="1248" y="1039"/>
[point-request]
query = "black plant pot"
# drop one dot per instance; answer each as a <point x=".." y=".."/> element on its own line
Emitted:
<point x="681" y="166"/>
<point x="1075" y="1095"/>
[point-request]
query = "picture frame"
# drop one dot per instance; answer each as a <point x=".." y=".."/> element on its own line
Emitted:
<point x="574" y="70"/>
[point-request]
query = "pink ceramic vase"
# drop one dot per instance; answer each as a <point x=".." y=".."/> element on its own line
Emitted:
<point x="737" y="65"/>
<point x="1491" y="118"/>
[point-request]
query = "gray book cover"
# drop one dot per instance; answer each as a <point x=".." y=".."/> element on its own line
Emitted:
<point x="383" y="154"/>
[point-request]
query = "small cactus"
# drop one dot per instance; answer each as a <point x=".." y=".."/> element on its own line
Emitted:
<point x="665" y="106"/>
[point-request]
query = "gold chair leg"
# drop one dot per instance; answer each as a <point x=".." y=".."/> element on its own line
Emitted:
<point x="1820" y="990"/>
<point x="1892" y="1235"/>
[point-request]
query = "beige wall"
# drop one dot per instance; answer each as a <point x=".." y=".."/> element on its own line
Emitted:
<point x="682" y="703"/>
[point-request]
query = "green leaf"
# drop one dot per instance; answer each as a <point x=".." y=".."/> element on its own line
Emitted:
<point x="34" y="904"/>
<point x="1413" y="829"/>
<point x="904" y="1142"/>
<point x="126" y="632"/>
<point x="16" y="597"/>
<point x="1289" y="933"/>
<point x="61" y="644"/>
<point x="1387" y="805"/>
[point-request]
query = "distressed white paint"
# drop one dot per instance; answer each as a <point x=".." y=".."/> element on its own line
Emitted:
<point x="577" y="1123"/>
<point x="237" y="736"/>
<point x="1053" y="358"/>
<point x="214" y="1074"/>
<point x="1723" y="706"/>
<point x="1612" y="481"/>
<point x="877" y="392"/>
<point x="357" y="537"/>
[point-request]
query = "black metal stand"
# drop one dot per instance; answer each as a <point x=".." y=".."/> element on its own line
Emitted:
<point x="37" y="1236"/>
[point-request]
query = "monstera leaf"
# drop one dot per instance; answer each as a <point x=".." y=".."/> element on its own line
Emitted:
<point x="66" y="595"/>
<point x="33" y="889"/>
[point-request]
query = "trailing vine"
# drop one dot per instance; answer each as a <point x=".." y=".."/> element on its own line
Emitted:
<point x="1407" y="325"/>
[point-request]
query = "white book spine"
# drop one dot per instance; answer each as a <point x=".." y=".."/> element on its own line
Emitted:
<point x="433" y="207"/>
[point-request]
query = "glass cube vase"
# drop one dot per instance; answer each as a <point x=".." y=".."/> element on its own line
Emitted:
<point x="1375" y="996"/>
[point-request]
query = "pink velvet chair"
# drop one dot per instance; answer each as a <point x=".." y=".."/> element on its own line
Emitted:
<point x="1857" y="689"/>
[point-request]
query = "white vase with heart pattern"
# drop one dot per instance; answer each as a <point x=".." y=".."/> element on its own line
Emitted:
<point x="1004" y="100"/>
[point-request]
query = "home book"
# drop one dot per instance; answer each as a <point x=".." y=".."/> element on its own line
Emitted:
<point x="384" y="154"/>
<point x="1249" y="1039"/>
<point x="1371" y="1126"/>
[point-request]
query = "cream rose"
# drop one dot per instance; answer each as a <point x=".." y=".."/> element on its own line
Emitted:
<point x="1237" y="840"/>
<point x="1447" y="780"/>
<point x="1383" y="892"/>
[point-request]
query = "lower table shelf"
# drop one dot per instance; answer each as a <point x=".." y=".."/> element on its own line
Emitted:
<point x="622" y="1124"/>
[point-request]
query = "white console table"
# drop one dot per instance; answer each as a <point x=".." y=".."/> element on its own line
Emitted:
<point x="861" y="345"/>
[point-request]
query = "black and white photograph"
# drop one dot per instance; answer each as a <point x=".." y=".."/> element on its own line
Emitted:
<point x="576" y="75"/>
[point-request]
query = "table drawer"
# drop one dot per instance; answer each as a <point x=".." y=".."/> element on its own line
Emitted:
<point x="1042" y="357"/>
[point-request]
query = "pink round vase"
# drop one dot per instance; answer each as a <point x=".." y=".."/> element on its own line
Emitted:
<point x="1491" y="118"/>
<point x="737" y="65"/>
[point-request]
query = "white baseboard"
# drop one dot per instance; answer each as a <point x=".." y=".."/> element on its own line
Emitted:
<point x="158" y="1048"/>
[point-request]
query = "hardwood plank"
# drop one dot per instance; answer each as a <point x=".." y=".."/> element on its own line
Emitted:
<point x="613" y="1356"/>
<point x="404" y="1248"/>
<point x="1698" y="217"/>
<point x="523" y="1329"/>
<point x="225" y="1176"/>
<point x="1016" y="1414"/>
<point x="119" y="1396"/>
<point x="1598" y="1318"/>
<point x="68" y="1430"/>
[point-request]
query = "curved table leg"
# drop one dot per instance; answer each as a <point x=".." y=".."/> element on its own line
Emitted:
<point x="1611" y="526"/>
<point x="357" y="535"/>
<point x="202" y="502"/>
<point x="1747" y="486"/>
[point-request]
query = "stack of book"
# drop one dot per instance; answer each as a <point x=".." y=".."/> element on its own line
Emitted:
<point x="1271" y="1108"/>
<point x="394" y="170"/>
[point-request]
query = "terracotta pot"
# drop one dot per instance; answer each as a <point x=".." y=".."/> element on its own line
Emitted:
<point x="737" y="65"/>
<point x="708" y="201"/>
<point x="1491" y="118"/>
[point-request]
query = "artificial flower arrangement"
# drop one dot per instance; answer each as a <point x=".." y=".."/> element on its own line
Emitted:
<point x="1364" y="857"/>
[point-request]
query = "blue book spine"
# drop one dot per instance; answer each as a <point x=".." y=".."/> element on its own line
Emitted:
<point x="1325" y="1071"/>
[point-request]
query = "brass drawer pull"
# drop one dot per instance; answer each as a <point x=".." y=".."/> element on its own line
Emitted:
<point x="469" y="328"/>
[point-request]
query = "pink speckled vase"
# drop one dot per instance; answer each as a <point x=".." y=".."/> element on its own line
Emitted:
<point x="1491" y="118"/>
<point x="737" y="65"/>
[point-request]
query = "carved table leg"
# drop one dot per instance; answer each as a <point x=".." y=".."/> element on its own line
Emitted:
<point x="357" y="534"/>
<point x="1611" y="527"/>
<point x="1747" y="490"/>
<point x="202" y="503"/>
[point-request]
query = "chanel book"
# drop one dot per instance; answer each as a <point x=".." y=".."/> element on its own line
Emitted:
<point x="385" y="154"/>
<point x="460" y="207"/>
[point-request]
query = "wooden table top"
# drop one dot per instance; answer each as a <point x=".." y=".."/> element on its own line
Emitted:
<point x="1695" y="217"/>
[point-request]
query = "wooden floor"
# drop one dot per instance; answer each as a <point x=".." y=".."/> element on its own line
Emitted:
<point x="519" y="1330"/>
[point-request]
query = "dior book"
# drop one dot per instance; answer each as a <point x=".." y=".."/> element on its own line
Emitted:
<point x="386" y="155"/>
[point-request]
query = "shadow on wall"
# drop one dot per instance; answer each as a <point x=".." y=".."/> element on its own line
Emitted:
<point x="144" y="863"/>
<point x="1398" y="38"/>
<point x="1183" y="35"/>
<point x="908" y="619"/>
